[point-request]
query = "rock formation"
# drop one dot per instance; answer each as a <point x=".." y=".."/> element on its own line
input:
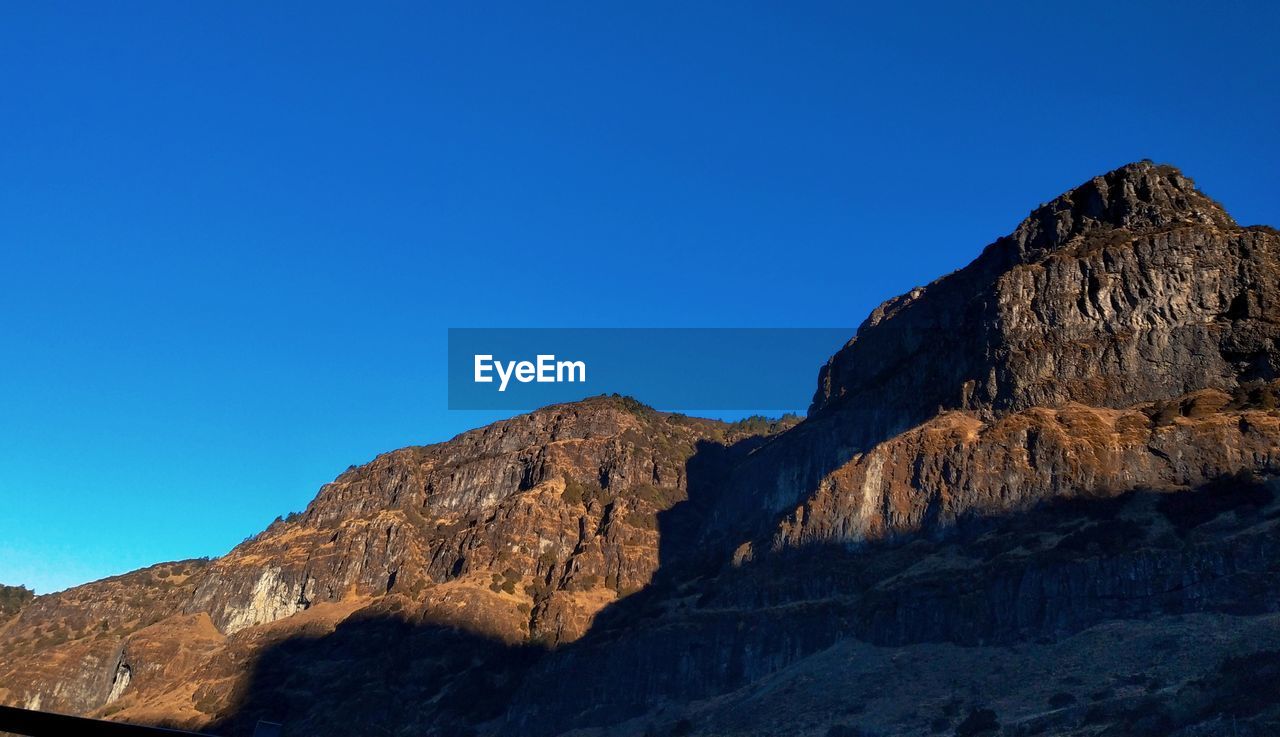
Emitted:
<point x="1034" y="497"/>
<point x="518" y="533"/>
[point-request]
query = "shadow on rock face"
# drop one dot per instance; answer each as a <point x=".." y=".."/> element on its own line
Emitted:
<point x="1034" y="577"/>
<point x="377" y="674"/>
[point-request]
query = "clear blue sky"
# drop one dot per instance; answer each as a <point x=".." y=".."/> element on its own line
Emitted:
<point x="233" y="234"/>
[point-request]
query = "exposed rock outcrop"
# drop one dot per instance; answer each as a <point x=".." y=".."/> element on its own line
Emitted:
<point x="1126" y="293"/>
<point x="519" y="532"/>
<point x="1133" y="287"/>
<point x="1121" y="341"/>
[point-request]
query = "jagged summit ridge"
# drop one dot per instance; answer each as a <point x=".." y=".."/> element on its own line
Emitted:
<point x="1131" y="287"/>
<point x="1136" y="197"/>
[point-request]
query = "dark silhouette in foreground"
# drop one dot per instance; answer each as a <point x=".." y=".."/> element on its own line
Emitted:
<point x="32" y="723"/>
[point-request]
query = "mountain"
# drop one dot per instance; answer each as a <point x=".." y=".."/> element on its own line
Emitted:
<point x="515" y="534"/>
<point x="1037" y="496"/>
<point x="1076" y="433"/>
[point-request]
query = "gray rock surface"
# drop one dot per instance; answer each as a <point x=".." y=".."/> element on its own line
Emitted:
<point x="1131" y="288"/>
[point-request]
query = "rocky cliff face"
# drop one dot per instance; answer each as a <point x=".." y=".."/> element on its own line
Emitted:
<point x="1120" y="344"/>
<point x="533" y="513"/>
<point x="1131" y="288"/>
<point x="1034" y="496"/>
<point x="1130" y="292"/>
<point x="517" y="533"/>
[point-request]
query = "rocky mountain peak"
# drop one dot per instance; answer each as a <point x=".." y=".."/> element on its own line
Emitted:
<point x="1131" y="287"/>
<point x="1136" y="197"/>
